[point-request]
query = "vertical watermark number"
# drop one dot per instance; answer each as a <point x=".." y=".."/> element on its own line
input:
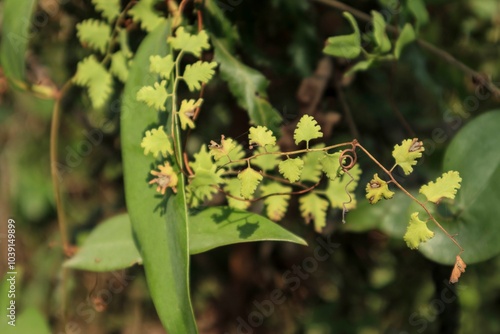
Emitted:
<point x="11" y="272"/>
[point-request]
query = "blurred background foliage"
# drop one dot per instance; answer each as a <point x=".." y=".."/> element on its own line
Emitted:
<point x="371" y="284"/>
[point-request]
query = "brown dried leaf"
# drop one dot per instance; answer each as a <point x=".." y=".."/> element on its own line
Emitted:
<point x="458" y="269"/>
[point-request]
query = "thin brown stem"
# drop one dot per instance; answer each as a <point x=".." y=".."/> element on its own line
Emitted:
<point x="54" y="139"/>
<point x="486" y="82"/>
<point x="411" y="196"/>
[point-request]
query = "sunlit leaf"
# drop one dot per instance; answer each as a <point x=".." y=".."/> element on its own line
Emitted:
<point x="261" y="136"/>
<point x="276" y="205"/>
<point x="312" y="167"/>
<point x="198" y="73"/>
<point x="346" y="46"/>
<point x="157" y="142"/>
<point x="330" y="165"/>
<point x="383" y="42"/>
<point x="233" y="187"/>
<point x="94" y="33"/>
<point x="417" y="232"/>
<point x="91" y="74"/>
<point x="445" y="186"/>
<point x="186" y="42"/>
<point x="201" y="185"/>
<point x="406" y="36"/>
<point x="119" y="67"/>
<point x="154" y="96"/>
<point x="266" y="162"/>
<point x="377" y="189"/>
<point x="161" y="65"/>
<point x="291" y="168"/>
<point x="407" y="153"/>
<point x="250" y="179"/>
<point x="313" y="207"/>
<point x="145" y="13"/>
<point x="186" y="112"/>
<point x="340" y="190"/>
<point x="307" y="129"/>
<point x="110" y="9"/>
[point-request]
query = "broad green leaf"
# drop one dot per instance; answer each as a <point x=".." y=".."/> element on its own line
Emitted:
<point x="250" y="179"/>
<point x="219" y="226"/>
<point x="473" y="153"/>
<point x="218" y="23"/>
<point x="161" y="65"/>
<point x="417" y="232"/>
<point x="377" y="189"/>
<point x="186" y="42"/>
<point x="198" y="73"/>
<point x="16" y="21"/>
<point x="276" y="205"/>
<point x="119" y="67"/>
<point x="383" y="42"/>
<point x="233" y="187"/>
<point x="186" y="112"/>
<point x="92" y="74"/>
<point x="346" y="46"/>
<point x="157" y="142"/>
<point x="261" y="136"/>
<point x="417" y="8"/>
<point x="307" y="129"/>
<point x="94" y="33"/>
<point x="312" y="207"/>
<point x="330" y="165"/>
<point x="445" y="186"/>
<point x="406" y="36"/>
<point x="340" y="191"/>
<point x="145" y="13"/>
<point x="360" y="66"/>
<point x="312" y="167"/>
<point x="30" y="320"/>
<point x="160" y="229"/>
<point x="291" y="168"/>
<point x="266" y="162"/>
<point x="154" y="96"/>
<point x="110" y="246"/>
<point x="247" y="85"/>
<point x="110" y="9"/>
<point x="407" y="153"/>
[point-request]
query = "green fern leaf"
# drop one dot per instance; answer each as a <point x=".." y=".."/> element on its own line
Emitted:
<point x="194" y="44"/>
<point x="119" y="66"/>
<point x="202" y="160"/>
<point x="228" y="150"/>
<point x="161" y="65"/>
<point x="94" y="33"/>
<point x="186" y="112"/>
<point x="338" y="190"/>
<point x="250" y="179"/>
<point x="313" y="207"/>
<point x="157" y="142"/>
<point x="407" y="153"/>
<point x="312" y="167"/>
<point x="233" y="187"/>
<point x="110" y="9"/>
<point x="261" y="136"/>
<point x="155" y="96"/>
<point x="377" y="189"/>
<point x="201" y="187"/>
<point x="291" y="168"/>
<point x="330" y="164"/>
<point x="346" y="46"/>
<point x="445" y="186"/>
<point x="145" y="13"/>
<point x="266" y="162"/>
<point x="276" y="205"/>
<point x="417" y="232"/>
<point x="91" y="74"/>
<point x="198" y="73"/>
<point x="307" y="129"/>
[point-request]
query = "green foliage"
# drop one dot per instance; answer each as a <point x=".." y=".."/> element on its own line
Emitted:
<point x="407" y="153"/>
<point x="445" y="187"/>
<point x="119" y="66"/>
<point x="144" y="13"/>
<point x="233" y="188"/>
<point x="110" y="246"/>
<point x="161" y="65"/>
<point x="313" y="208"/>
<point x="406" y="37"/>
<point x="276" y="205"/>
<point x="186" y="112"/>
<point x="418" y="10"/>
<point x="198" y="73"/>
<point x="264" y="161"/>
<point x="261" y="136"/>
<point x="291" y="168"/>
<point x="94" y="33"/>
<point x="184" y="41"/>
<point x="377" y="189"/>
<point x="307" y="129"/>
<point x="339" y="190"/>
<point x="330" y="165"/>
<point x="157" y="142"/>
<point x="154" y="96"/>
<point x="93" y="75"/>
<point x="381" y="39"/>
<point x="417" y="232"/>
<point x="228" y="150"/>
<point x="110" y="9"/>
<point x="312" y="167"/>
<point x="202" y="185"/>
<point x="347" y="46"/>
<point x="250" y="179"/>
